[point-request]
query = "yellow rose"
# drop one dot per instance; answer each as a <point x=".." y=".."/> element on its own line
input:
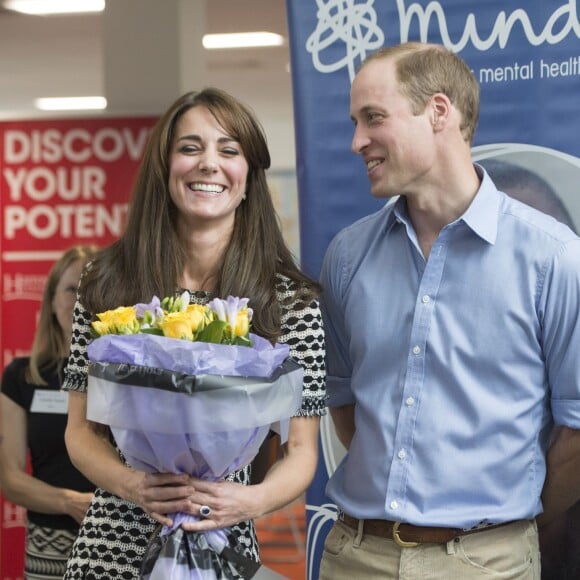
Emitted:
<point x="177" y="325"/>
<point x="100" y="327"/>
<point x="242" y="323"/>
<point x="122" y="320"/>
<point x="198" y="316"/>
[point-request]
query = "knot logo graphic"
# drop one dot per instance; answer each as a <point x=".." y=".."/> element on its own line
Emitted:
<point x="354" y="25"/>
<point x="347" y="22"/>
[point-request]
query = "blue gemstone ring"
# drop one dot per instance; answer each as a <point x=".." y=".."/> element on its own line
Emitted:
<point x="204" y="511"/>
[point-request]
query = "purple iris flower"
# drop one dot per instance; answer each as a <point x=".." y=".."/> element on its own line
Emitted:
<point x="153" y="308"/>
<point x="227" y="310"/>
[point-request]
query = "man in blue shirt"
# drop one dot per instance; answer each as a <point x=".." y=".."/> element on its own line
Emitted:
<point x="453" y="322"/>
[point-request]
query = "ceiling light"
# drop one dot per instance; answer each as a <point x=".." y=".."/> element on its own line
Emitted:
<point x="54" y="6"/>
<point x="242" y="40"/>
<point x="71" y="103"/>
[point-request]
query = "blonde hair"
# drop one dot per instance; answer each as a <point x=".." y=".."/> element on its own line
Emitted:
<point x="426" y="69"/>
<point x="50" y="344"/>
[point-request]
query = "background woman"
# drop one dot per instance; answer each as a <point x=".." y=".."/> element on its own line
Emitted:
<point x="33" y="418"/>
<point x="201" y="219"/>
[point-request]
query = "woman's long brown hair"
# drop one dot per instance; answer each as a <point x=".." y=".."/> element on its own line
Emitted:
<point x="149" y="258"/>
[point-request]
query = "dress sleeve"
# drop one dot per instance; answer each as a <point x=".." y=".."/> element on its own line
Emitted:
<point x="13" y="385"/>
<point x="303" y="331"/>
<point x="75" y="373"/>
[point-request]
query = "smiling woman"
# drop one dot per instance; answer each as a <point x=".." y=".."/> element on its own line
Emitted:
<point x="201" y="219"/>
<point x="207" y="172"/>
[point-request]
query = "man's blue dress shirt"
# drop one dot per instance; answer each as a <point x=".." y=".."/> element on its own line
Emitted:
<point x="458" y="365"/>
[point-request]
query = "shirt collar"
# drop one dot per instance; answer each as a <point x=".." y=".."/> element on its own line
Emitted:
<point x="396" y="209"/>
<point x="481" y="216"/>
<point x="483" y="213"/>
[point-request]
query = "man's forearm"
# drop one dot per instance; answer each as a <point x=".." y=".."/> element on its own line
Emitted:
<point x="562" y="485"/>
<point x="343" y="419"/>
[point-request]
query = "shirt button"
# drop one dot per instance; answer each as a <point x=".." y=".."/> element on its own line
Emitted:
<point x="410" y="401"/>
<point x="394" y="505"/>
<point x="426" y="299"/>
<point x="416" y="350"/>
<point x="402" y="454"/>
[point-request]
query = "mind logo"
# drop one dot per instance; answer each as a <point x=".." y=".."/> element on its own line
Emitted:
<point x="354" y="26"/>
<point x="347" y="24"/>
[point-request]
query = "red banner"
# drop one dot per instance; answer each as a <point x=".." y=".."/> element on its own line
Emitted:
<point x="62" y="183"/>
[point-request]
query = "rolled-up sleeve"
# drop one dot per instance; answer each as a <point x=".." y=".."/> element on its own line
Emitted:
<point x="560" y="306"/>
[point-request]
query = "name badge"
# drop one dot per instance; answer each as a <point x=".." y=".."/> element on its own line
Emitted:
<point x="46" y="401"/>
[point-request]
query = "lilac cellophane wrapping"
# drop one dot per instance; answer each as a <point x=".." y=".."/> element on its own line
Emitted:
<point x="195" y="358"/>
<point x="189" y="407"/>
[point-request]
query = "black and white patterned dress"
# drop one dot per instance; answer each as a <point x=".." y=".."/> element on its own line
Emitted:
<point x="115" y="533"/>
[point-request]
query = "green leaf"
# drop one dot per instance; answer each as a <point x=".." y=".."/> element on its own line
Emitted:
<point x="213" y="332"/>
<point x="242" y="341"/>
<point x="156" y="331"/>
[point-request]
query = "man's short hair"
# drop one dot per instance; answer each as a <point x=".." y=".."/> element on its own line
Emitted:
<point x="426" y="69"/>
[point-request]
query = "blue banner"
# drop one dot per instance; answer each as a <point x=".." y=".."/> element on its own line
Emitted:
<point x="526" y="57"/>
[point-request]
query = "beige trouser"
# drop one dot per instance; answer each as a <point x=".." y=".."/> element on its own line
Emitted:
<point x="509" y="552"/>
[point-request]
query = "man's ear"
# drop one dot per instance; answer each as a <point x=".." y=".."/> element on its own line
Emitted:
<point x="440" y="107"/>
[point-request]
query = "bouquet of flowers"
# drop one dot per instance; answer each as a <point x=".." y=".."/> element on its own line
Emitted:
<point x="187" y="388"/>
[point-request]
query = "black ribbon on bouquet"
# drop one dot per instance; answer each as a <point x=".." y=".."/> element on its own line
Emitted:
<point x="182" y="554"/>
